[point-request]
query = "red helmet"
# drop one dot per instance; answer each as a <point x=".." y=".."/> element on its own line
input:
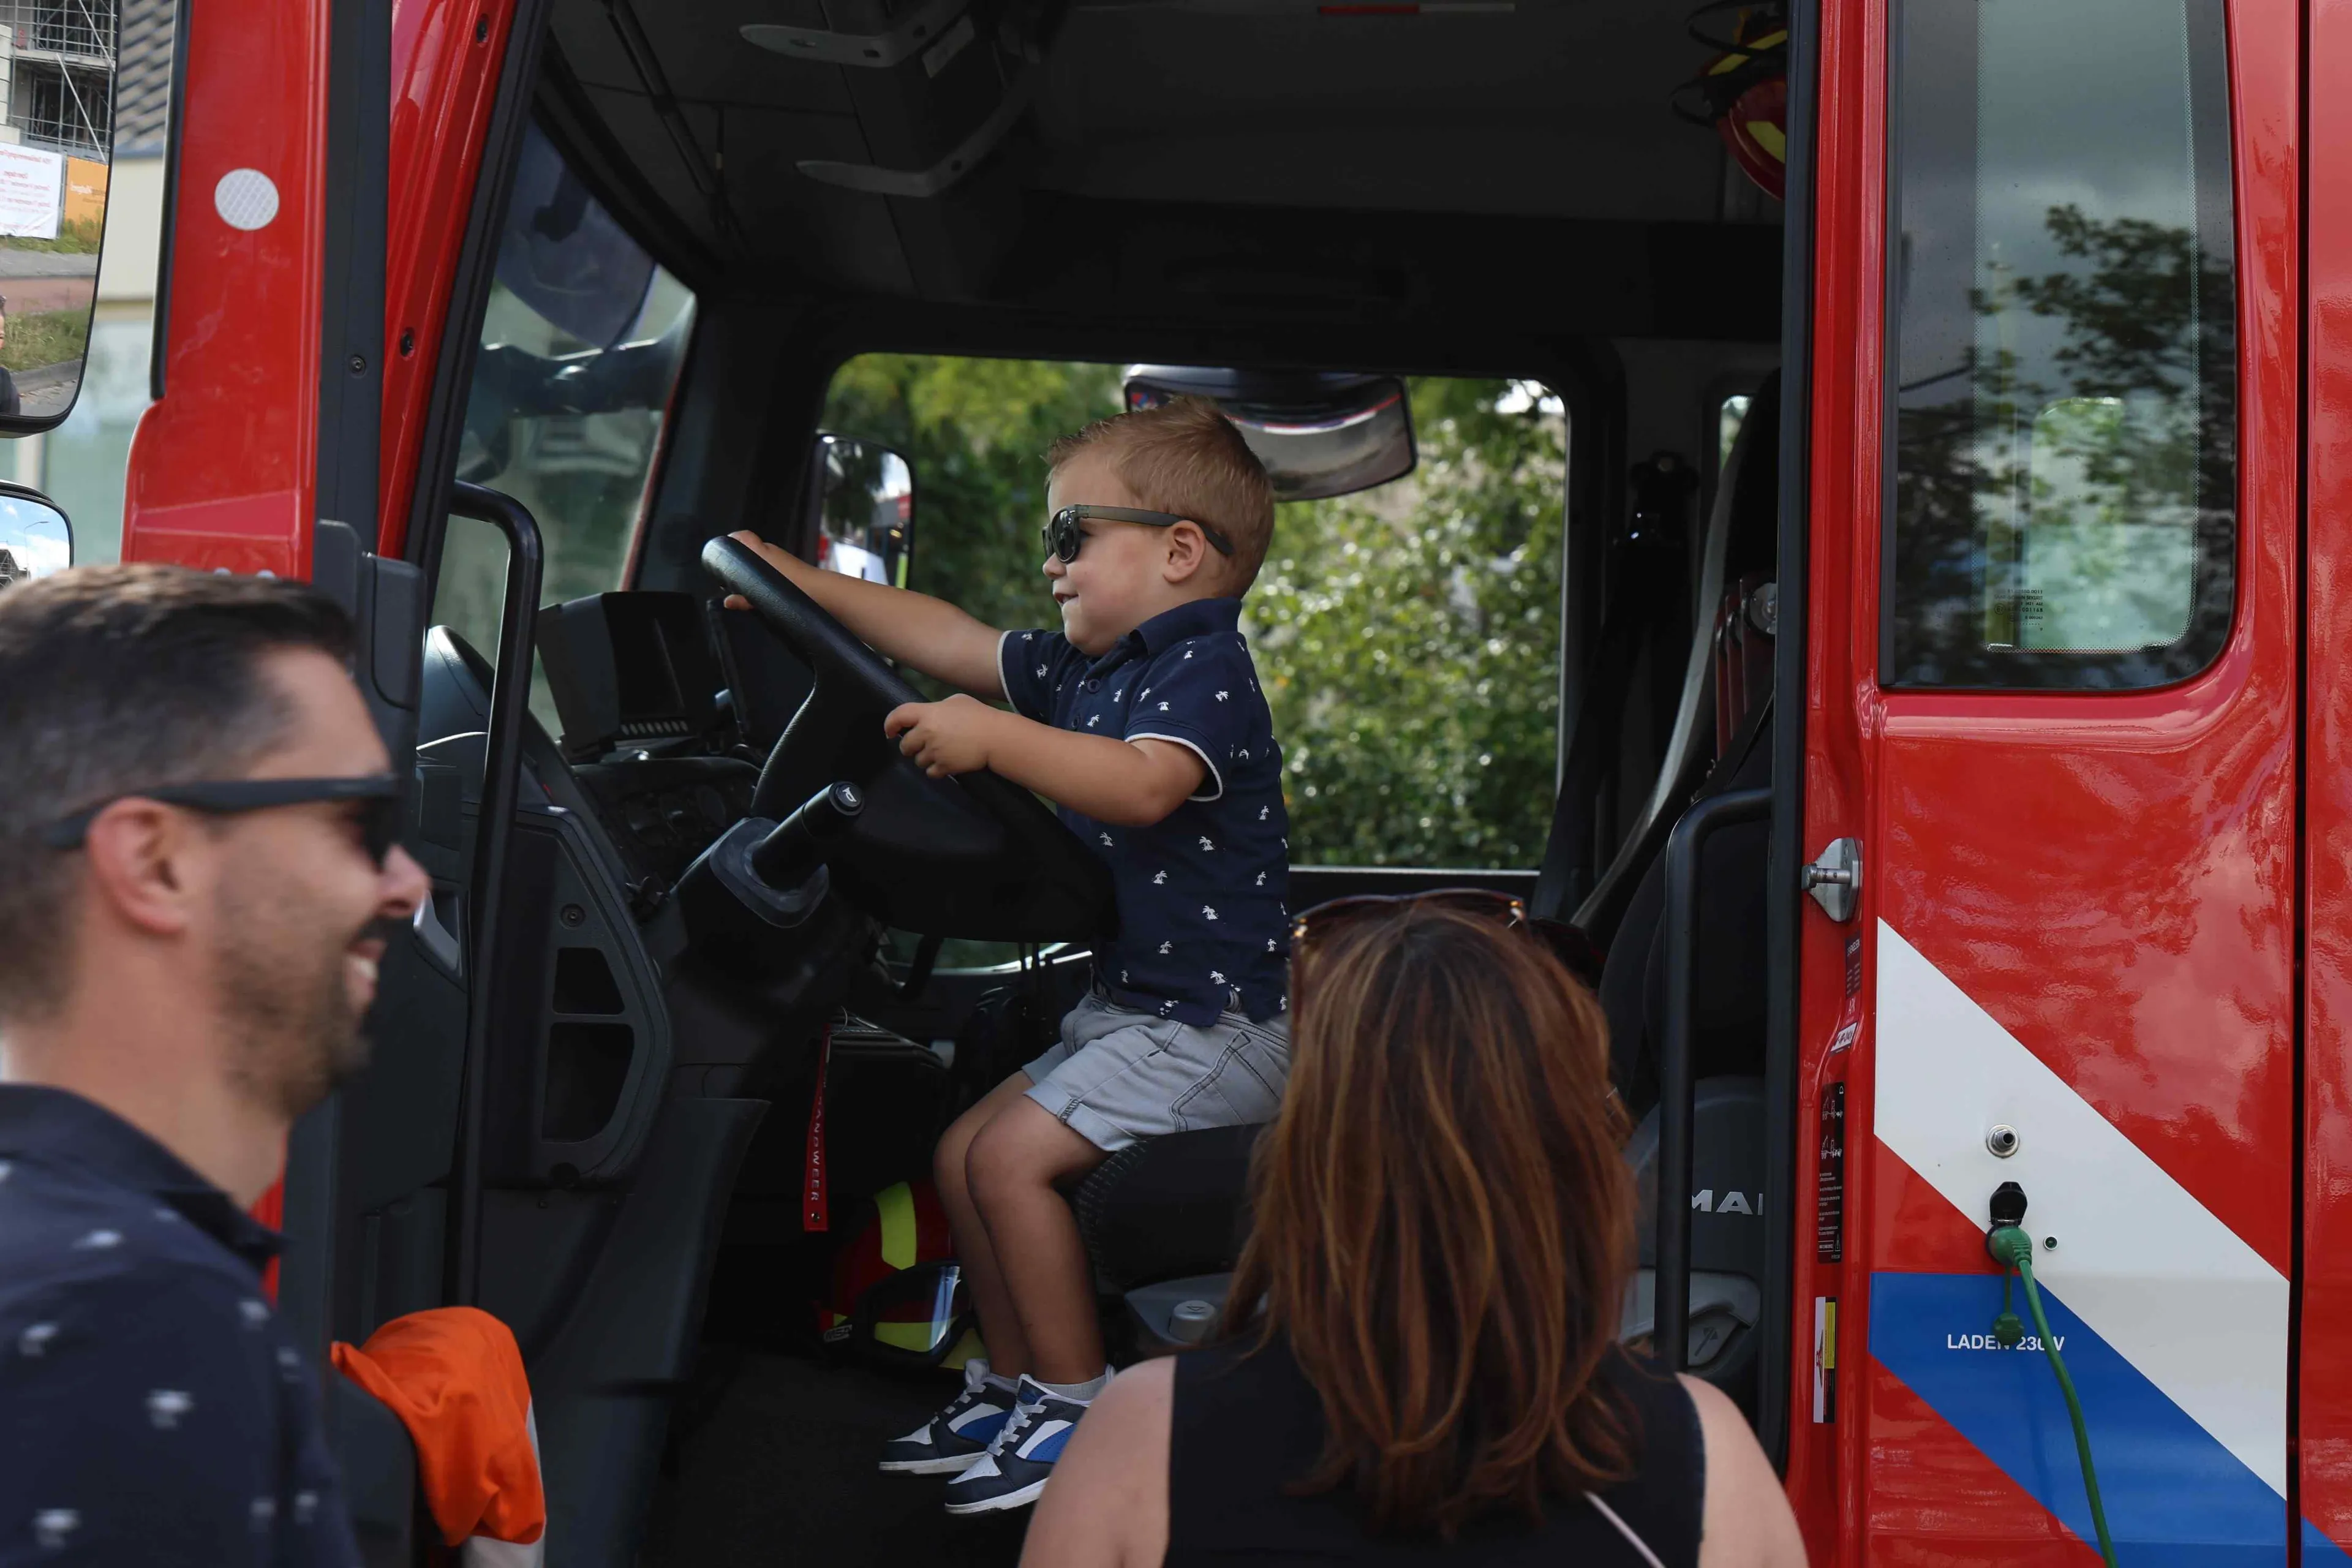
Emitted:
<point x="1743" y="92"/>
<point x="898" y="1296"/>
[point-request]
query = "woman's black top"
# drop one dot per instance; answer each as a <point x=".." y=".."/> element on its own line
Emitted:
<point x="1245" y="1427"/>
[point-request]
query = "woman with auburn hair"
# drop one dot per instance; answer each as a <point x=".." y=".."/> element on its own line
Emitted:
<point x="1420" y="1355"/>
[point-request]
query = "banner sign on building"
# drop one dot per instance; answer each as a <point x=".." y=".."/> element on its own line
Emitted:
<point x="85" y="202"/>
<point x="32" y="192"/>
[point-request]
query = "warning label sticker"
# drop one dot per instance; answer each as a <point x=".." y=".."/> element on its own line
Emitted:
<point x="1829" y="1198"/>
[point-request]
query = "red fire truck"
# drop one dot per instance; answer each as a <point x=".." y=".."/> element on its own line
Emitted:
<point x="1960" y="793"/>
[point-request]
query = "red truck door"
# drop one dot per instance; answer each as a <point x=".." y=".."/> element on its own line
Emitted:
<point x="2053" y="631"/>
<point x="2324" y="1372"/>
<point x="224" y="469"/>
<point x="301" y="315"/>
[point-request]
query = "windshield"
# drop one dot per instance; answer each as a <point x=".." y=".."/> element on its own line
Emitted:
<point x="580" y="345"/>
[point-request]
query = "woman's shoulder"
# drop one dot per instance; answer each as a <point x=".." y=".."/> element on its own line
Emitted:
<point x="1747" y="1522"/>
<point x="1108" y="1500"/>
<point x="1143" y="1388"/>
<point x="1666" y="1410"/>
<point x="1131" y="1415"/>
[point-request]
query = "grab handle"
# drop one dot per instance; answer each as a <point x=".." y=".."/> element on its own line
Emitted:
<point x="1671" y="1338"/>
<point x="501" y="785"/>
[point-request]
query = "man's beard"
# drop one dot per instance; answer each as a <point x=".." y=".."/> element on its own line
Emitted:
<point x="294" y="1033"/>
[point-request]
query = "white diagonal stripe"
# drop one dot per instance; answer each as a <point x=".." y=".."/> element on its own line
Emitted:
<point x="2155" y="1273"/>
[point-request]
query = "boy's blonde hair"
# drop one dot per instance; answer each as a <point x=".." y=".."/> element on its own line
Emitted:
<point x="1185" y="457"/>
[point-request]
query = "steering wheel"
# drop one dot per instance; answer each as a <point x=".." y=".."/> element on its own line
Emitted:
<point x="968" y="857"/>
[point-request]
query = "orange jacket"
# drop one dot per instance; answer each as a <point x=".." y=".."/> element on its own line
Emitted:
<point x="454" y="1377"/>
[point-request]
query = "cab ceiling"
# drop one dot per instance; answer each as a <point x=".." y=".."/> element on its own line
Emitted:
<point x="1208" y="154"/>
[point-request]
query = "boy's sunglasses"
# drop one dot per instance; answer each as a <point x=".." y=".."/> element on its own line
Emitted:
<point x="1062" y="537"/>
<point x="379" y="795"/>
<point x="1564" y="941"/>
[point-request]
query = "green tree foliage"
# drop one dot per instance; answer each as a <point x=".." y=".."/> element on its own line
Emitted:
<point x="1407" y="637"/>
<point x="975" y="432"/>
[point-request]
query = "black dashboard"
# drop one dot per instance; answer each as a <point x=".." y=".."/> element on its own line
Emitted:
<point x="662" y="811"/>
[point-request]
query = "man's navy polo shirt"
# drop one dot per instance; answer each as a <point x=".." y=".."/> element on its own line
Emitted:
<point x="1203" y="926"/>
<point x="152" y="1407"/>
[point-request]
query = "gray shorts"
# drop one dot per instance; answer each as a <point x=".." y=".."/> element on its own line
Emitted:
<point x="1119" y="1075"/>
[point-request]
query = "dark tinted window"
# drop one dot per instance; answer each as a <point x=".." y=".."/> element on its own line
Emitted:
<point x="2064" y="465"/>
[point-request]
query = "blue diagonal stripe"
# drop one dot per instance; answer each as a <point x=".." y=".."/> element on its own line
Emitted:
<point x="2174" y="1495"/>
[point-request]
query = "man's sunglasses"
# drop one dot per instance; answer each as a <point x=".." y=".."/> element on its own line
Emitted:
<point x="1564" y="941"/>
<point x="1062" y="537"/>
<point x="379" y="794"/>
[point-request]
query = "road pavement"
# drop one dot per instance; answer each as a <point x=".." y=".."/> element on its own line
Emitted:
<point x="48" y="390"/>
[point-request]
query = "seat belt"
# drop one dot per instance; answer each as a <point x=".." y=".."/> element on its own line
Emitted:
<point x="1567" y="872"/>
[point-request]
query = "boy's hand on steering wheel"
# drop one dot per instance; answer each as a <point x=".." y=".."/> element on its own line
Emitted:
<point x="944" y="738"/>
<point x="782" y="560"/>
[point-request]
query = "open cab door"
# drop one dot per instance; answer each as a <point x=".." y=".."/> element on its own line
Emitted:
<point x="2052" y="632"/>
<point x="300" y="311"/>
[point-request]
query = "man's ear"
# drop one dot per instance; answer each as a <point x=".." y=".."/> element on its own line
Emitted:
<point x="140" y="855"/>
<point x="1188" y="553"/>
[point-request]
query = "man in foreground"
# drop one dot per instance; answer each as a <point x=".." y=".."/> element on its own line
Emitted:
<point x="196" y="820"/>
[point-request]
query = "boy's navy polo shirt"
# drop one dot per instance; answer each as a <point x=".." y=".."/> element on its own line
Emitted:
<point x="1204" y="929"/>
<point x="153" y="1409"/>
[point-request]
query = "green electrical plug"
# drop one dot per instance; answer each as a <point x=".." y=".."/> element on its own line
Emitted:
<point x="2013" y="1249"/>
<point x="2007" y="1332"/>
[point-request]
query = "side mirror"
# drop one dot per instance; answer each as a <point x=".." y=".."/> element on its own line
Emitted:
<point x="35" y="537"/>
<point x="1318" y="433"/>
<point x="54" y="169"/>
<point x="862" y="496"/>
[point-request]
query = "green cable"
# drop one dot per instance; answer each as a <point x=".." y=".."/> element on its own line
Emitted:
<point x="2011" y="1245"/>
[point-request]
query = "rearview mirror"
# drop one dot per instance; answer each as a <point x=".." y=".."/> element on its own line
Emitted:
<point x="863" y="495"/>
<point x="1318" y="433"/>
<point x="35" y="537"/>
<point x="56" y="154"/>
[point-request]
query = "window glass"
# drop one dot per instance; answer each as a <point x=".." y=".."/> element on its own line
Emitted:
<point x="2063" y="469"/>
<point x="582" y="343"/>
<point x="83" y="460"/>
<point x="1407" y="637"/>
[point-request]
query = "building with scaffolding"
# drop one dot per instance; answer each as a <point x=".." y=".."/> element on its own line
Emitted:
<point x="59" y="63"/>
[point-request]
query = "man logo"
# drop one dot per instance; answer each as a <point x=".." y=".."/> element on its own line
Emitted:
<point x="1703" y="1201"/>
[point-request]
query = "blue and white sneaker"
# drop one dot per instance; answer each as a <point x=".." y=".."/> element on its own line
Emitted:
<point x="1014" y="1469"/>
<point x="957" y="1436"/>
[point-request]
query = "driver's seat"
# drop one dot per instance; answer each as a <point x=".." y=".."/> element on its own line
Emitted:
<point x="1168" y="1208"/>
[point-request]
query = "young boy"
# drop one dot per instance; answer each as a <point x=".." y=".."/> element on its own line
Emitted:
<point x="1141" y="718"/>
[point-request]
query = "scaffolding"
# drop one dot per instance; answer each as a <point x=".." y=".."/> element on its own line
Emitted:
<point x="62" y="91"/>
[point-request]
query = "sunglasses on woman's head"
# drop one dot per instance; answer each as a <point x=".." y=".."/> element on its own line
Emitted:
<point x="1570" y="946"/>
<point x="1062" y="537"/>
<point x="377" y="797"/>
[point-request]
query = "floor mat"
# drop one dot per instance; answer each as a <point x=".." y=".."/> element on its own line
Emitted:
<point x="774" y="1460"/>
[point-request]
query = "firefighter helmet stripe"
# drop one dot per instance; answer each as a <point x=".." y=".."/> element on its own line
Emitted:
<point x="896" y="1208"/>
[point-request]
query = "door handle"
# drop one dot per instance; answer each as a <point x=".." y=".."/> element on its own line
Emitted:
<point x="439" y="945"/>
<point x="1835" y="880"/>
